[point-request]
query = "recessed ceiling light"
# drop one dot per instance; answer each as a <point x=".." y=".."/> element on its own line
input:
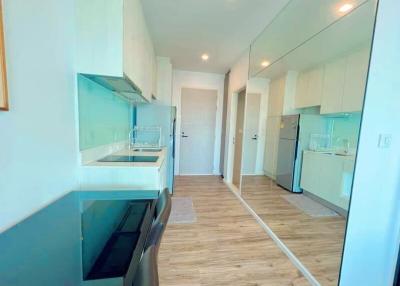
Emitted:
<point x="265" y="64"/>
<point x="345" y="8"/>
<point x="205" y="57"/>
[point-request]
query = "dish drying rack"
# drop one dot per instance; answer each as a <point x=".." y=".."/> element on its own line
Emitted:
<point x="145" y="137"/>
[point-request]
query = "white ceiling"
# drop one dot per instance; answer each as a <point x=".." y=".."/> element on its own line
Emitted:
<point x="185" y="29"/>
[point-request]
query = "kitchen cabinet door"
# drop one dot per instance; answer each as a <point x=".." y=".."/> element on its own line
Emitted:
<point x="276" y="97"/>
<point x="113" y="40"/>
<point x="99" y="37"/>
<point x="309" y="88"/>
<point x="326" y="176"/>
<point x="355" y="81"/>
<point x="314" y="88"/>
<point x="310" y="172"/>
<point x="138" y="48"/>
<point x="271" y="145"/>
<point x="301" y="90"/>
<point x="331" y="172"/>
<point x="333" y="86"/>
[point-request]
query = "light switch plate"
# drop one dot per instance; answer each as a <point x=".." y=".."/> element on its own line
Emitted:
<point x="385" y="140"/>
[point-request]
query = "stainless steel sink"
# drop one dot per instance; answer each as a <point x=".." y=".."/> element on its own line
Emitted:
<point x="146" y="150"/>
<point x="334" y="153"/>
<point x="129" y="159"/>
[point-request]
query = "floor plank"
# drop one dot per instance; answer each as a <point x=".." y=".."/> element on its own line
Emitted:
<point x="316" y="241"/>
<point x="225" y="246"/>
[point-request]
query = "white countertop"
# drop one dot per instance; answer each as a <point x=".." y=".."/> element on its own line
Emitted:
<point x="334" y="153"/>
<point x="129" y="152"/>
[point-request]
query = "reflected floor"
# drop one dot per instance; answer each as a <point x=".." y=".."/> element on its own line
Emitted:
<point x="316" y="241"/>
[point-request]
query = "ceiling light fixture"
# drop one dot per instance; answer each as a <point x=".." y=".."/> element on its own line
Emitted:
<point x="205" y="57"/>
<point x="345" y="8"/>
<point x="265" y="64"/>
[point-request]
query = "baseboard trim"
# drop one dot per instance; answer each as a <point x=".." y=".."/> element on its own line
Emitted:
<point x="327" y="204"/>
<point x="296" y="262"/>
<point x="197" y="175"/>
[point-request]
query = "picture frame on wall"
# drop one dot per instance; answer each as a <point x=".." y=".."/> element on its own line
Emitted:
<point x="3" y="72"/>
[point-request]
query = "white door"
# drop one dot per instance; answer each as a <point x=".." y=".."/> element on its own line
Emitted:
<point x="251" y="139"/>
<point x="198" y="116"/>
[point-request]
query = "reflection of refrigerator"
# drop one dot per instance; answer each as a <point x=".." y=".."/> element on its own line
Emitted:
<point x="294" y="138"/>
<point x="287" y="152"/>
<point x="165" y="117"/>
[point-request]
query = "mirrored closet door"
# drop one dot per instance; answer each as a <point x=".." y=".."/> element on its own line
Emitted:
<point x="303" y="107"/>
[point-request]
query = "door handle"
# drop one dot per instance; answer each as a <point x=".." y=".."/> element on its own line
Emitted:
<point x="183" y="135"/>
<point x="255" y="137"/>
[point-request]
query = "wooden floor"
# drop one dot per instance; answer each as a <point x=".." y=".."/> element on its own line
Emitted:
<point x="225" y="246"/>
<point x="316" y="241"/>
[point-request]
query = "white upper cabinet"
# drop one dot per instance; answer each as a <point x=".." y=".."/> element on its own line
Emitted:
<point x="332" y="92"/>
<point x="344" y="83"/>
<point x="164" y="81"/>
<point x="356" y="79"/>
<point x="309" y="88"/>
<point x="301" y="90"/>
<point x="113" y="40"/>
<point x="276" y="96"/>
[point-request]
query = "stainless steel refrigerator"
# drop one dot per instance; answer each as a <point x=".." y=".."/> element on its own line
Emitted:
<point x="287" y="152"/>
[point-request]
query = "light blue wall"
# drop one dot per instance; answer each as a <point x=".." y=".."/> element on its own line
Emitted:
<point x="104" y="118"/>
<point x="38" y="145"/>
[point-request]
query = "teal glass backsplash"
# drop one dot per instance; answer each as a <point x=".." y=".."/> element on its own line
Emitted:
<point x="104" y="118"/>
<point x="339" y="126"/>
<point x="347" y="127"/>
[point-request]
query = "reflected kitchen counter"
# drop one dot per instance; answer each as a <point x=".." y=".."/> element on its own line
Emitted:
<point x="328" y="176"/>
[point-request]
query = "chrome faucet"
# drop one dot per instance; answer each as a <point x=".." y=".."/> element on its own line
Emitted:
<point x="344" y="143"/>
<point x="131" y="133"/>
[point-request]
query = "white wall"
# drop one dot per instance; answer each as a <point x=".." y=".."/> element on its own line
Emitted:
<point x="38" y="145"/>
<point x="186" y="79"/>
<point x="372" y="237"/>
<point x="237" y="81"/>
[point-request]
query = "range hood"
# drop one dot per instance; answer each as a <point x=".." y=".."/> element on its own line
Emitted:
<point x="122" y="86"/>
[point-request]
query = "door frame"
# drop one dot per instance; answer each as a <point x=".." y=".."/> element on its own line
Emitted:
<point x="198" y="80"/>
<point x="236" y="109"/>
<point x="232" y="133"/>
<point x="178" y="135"/>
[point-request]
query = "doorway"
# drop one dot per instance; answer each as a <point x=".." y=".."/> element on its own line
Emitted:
<point x="238" y="140"/>
<point x="198" y="120"/>
<point x="251" y="133"/>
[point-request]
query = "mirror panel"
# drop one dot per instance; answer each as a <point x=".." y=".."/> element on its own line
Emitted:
<point x="301" y="126"/>
<point x="298" y="22"/>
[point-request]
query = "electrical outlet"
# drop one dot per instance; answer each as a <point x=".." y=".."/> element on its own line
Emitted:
<point x="385" y="140"/>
